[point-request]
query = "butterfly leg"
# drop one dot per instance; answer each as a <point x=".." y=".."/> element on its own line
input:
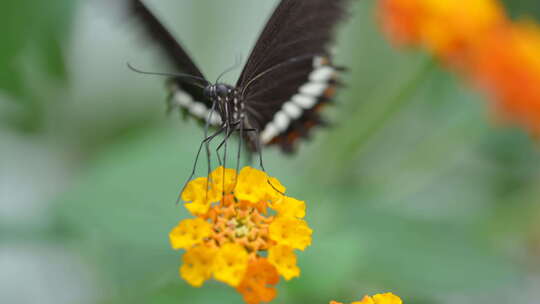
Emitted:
<point x="258" y="146"/>
<point x="237" y="126"/>
<point x="259" y="151"/>
<point x="204" y="143"/>
<point x="207" y="143"/>
<point x="222" y="144"/>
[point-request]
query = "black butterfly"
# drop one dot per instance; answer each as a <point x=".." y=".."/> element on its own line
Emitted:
<point x="286" y="81"/>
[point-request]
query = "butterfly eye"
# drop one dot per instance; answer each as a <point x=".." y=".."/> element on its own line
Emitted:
<point x="208" y="91"/>
<point x="222" y="90"/>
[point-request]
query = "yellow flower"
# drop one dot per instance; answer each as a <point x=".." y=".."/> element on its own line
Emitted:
<point x="233" y="236"/>
<point x="275" y="191"/>
<point x="223" y="180"/>
<point x="284" y="259"/>
<point x="201" y="194"/>
<point x="230" y="264"/>
<point x="198" y="265"/>
<point x="189" y="233"/>
<point x="387" y="298"/>
<point x="290" y="207"/>
<point x="291" y="232"/>
<point x="252" y="185"/>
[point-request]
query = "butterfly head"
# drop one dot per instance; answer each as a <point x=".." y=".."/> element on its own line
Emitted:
<point x="218" y="91"/>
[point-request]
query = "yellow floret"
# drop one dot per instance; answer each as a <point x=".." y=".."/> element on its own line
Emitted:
<point x="189" y="233"/>
<point x="290" y="207"/>
<point x="252" y="185"/>
<point x="275" y="190"/>
<point x="387" y="298"/>
<point x="230" y="264"/>
<point x="201" y="195"/>
<point x="223" y="180"/>
<point x="284" y="259"/>
<point x="291" y="232"/>
<point x="198" y="265"/>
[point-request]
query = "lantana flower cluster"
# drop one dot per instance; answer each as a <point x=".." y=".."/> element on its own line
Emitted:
<point x="386" y="298"/>
<point x="478" y="40"/>
<point x="244" y="233"/>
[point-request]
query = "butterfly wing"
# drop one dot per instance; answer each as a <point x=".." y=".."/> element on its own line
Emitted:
<point x="186" y="93"/>
<point x="289" y="75"/>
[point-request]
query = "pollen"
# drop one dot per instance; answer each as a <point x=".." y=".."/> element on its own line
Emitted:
<point x="244" y="233"/>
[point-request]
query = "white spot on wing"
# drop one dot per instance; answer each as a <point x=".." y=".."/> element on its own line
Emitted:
<point x="195" y="108"/>
<point x="281" y="121"/>
<point x="198" y="109"/>
<point x="183" y="99"/>
<point x="318" y="61"/>
<point x="313" y="89"/>
<point x="292" y="110"/>
<point x="270" y="131"/>
<point x="215" y="119"/>
<point x="306" y="98"/>
<point x="322" y="74"/>
<point x="305" y="102"/>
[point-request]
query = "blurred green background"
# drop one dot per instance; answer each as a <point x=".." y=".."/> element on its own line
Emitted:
<point x="415" y="190"/>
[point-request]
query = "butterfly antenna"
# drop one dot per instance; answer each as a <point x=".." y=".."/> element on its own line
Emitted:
<point x="236" y="65"/>
<point x="174" y="75"/>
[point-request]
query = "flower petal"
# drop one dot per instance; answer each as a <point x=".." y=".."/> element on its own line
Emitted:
<point x="291" y="232"/>
<point x="284" y="259"/>
<point x="198" y="265"/>
<point x="254" y="286"/>
<point x="290" y="207"/>
<point x="275" y="190"/>
<point x="223" y="180"/>
<point x="230" y="264"/>
<point x="189" y="233"/>
<point x="387" y="298"/>
<point x="201" y="195"/>
<point x="193" y="189"/>
<point x="252" y="185"/>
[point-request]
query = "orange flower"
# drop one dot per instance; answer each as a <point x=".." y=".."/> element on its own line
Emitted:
<point x="259" y="275"/>
<point x="507" y="66"/>
<point x="401" y="20"/>
<point x="234" y="239"/>
<point x="452" y="28"/>
<point x="478" y="40"/>
<point x="446" y="27"/>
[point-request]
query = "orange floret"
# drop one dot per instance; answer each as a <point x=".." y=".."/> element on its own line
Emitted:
<point x="507" y="67"/>
<point x="258" y="282"/>
<point x="446" y="27"/>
